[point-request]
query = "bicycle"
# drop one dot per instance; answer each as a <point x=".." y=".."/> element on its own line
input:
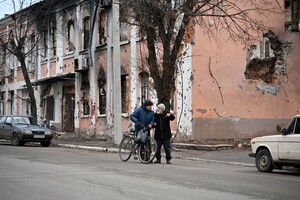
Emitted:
<point x="145" y="152"/>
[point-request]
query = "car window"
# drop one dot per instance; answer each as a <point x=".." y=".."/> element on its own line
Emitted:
<point x="33" y="121"/>
<point x="20" y="120"/>
<point x="297" y="127"/>
<point x="291" y="127"/>
<point x="8" y="120"/>
<point x="25" y="120"/>
<point x="2" y="120"/>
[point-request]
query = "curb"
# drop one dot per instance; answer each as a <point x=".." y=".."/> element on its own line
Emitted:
<point x="203" y="147"/>
<point x="91" y="148"/>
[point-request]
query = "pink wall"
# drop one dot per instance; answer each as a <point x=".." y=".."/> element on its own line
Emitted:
<point x="68" y="65"/>
<point x="44" y="70"/>
<point x="241" y="98"/>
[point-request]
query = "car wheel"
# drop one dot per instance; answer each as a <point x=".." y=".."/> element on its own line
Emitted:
<point x="263" y="161"/>
<point x="15" y="140"/>
<point x="46" y="143"/>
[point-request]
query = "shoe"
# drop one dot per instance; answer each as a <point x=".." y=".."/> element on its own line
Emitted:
<point x="157" y="161"/>
<point x="168" y="162"/>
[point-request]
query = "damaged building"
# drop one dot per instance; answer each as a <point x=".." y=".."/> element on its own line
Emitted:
<point x="224" y="89"/>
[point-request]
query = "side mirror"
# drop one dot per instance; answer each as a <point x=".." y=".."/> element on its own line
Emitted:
<point x="284" y="131"/>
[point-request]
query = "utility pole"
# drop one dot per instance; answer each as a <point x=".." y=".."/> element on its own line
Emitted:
<point x="117" y="110"/>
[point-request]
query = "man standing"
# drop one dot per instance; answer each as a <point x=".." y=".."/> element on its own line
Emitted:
<point x="163" y="132"/>
<point x="143" y="115"/>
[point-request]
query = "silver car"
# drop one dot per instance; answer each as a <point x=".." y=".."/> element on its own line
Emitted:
<point x="22" y="129"/>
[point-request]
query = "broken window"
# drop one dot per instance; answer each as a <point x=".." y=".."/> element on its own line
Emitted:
<point x="102" y="92"/>
<point x="142" y="33"/>
<point x="32" y="56"/>
<point x="2" y="103"/>
<point x="10" y="101"/>
<point x="85" y="88"/>
<point x="70" y="36"/>
<point x="25" y="103"/>
<point x="144" y="78"/>
<point x="102" y="27"/>
<point x="45" y="44"/>
<point x="85" y="104"/>
<point x="86" y="32"/>
<point x="124" y="95"/>
<point x="123" y="31"/>
<point x="292" y="15"/>
<point x="53" y="37"/>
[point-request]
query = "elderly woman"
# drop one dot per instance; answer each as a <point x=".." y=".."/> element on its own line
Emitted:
<point x="163" y="132"/>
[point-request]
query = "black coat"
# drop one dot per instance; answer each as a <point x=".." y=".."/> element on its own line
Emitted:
<point x="162" y="128"/>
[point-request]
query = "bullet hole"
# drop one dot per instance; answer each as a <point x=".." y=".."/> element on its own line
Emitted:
<point x="202" y="111"/>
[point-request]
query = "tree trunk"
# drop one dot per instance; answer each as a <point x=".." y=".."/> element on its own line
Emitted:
<point x="30" y="90"/>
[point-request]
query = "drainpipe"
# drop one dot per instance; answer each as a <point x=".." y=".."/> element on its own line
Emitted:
<point x="133" y="78"/>
<point x="116" y="74"/>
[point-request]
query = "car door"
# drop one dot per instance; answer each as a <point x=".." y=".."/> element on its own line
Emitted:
<point x="289" y="145"/>
<point x="2" y="128"/>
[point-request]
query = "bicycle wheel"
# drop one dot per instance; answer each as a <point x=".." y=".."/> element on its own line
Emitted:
<point x="126" y="147"/>
<point x="147" y="151"/>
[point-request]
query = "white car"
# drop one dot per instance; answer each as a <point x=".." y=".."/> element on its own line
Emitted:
<point x="274" y="151"/>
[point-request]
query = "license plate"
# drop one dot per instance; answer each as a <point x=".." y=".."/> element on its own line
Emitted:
<point x="38" y="136"/>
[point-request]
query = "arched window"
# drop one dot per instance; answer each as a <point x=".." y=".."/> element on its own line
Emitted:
<point x="70" y="36"/>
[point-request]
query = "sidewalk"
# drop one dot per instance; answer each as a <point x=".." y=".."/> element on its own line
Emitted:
<point x="221" y="153"/>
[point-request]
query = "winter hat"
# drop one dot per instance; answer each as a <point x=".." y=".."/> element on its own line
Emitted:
<point x="148" y="103"/>
<point x="161" y="106"/>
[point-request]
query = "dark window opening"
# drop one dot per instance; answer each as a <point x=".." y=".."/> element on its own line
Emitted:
<point x="85" y="104"/>
<point x="144" y="77"/>
<point x="124" y="95"/>
<point x="70" y="36"/>
<point x="102" y="92"/>
<point x="53" y="39"/>
<point x="86" y="32"/>
<point x="85" y="88"/>
<point x="102" y="25"/>
<point x="45" y="44"/>
<point x="85" y="84"/>
<point x="292" y="15"/>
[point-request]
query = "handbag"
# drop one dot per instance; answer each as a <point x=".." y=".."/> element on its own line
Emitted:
<point x="141" y="137"/>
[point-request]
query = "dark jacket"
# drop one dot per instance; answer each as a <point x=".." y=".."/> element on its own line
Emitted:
<point x="162" y="128"/>
<point x="143" y="116"/>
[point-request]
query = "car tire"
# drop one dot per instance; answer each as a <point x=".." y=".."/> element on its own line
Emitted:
<point x="46" y="143"/>
<point x="264" y="161"/>
<point x="15" y="141"/>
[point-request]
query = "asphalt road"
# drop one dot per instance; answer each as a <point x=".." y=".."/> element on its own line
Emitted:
<point x="36" y="173"/>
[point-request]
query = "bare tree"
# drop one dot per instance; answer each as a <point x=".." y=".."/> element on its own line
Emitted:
<point x="22" y="39"/>
<point x="168" y="23"/>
